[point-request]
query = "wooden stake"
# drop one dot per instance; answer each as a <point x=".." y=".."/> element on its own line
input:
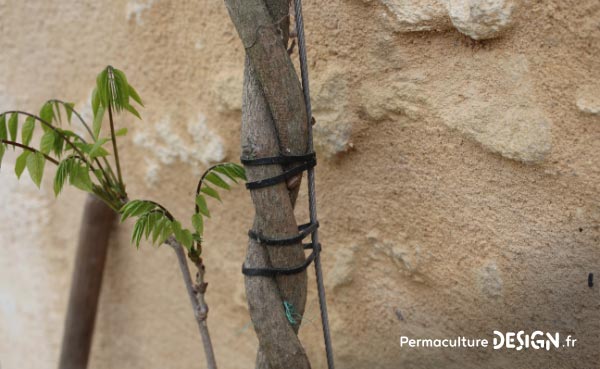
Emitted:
<point x="96" y="225"/>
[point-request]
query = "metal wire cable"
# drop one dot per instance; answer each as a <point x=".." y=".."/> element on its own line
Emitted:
<point x="312" y="203"/>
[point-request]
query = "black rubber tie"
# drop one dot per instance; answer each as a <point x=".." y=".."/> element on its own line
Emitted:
<point x="272" y="272"/>
<point x="261" y="183"/>
<point x="304" y="230"/>
<point x="281" y="159"/>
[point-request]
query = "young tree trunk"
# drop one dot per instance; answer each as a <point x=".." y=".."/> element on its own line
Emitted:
<point x="98" y="221"/>
<point x="274" y="122"/>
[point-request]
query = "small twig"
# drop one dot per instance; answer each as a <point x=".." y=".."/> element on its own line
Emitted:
<point x="196" y="295"/>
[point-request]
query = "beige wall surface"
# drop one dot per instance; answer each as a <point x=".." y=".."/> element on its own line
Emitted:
<point x="458" y="178"/>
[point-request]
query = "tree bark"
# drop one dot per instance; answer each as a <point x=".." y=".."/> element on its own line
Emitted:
<point x="98" y="221"/>
<point x="273" y="122"/>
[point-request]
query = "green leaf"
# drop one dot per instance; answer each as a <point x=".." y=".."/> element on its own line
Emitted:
<point x="134" y="95"/>
<point x="135" y="208"/>
<point x="84" y="147"/>
<point x="216" y="180"/>
<point x="166" y="231"/>
<point x="35" y="167"/>
<point x="95" y="101"/>
<point x="149" y="224"/>
<point x="80" y="177"/>
<point x="127" y="208"/>
<point x="138" y="231"/>
<point x="121" y="132"/>
<point x="98" y="121"/>
<point x="47" y="142"/>
<point x="69" y="107"/>
<point x="197" y="237"/>
<point x="210" y="192"/>
<point x="158" y="227"/>
<point x="2" y="150"/>
<point x="59" y="145"/>
<point x="133" y="111"/>
<point x="155" y="223"/>
<point x="68" y="133"/>
<point x="3" y="131"/>
<point x="187" y="239"/>
<point x="47" y="113"/>
<point x="13" y="123"/>
<point x="21" y="163"/>
<point x="57" y="112"/>
<point x="223" y="169"/>
<point x="62" y="173"/>
<point x="177" y="231"/>
<point x="198" y="223"/>
<point x="98" y="151"/>
<point x="202" y="207"/>
<point x="102" y="87"/>
<point x="27" y="130"/>
<point x="120" y="90"/>
<point x="238" y="170"/>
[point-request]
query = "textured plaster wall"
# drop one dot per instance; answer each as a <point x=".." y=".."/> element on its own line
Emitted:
<point x="458" y="181"/>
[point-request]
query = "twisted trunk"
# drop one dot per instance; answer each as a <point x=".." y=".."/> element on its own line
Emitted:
<point x="273" y="122"/>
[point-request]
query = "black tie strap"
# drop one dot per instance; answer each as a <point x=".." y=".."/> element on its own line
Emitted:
<point x="304" y="230"/>
<point x="272" y="272"/>
<point x="308" y="161"/>
<point x="281" y="159"/>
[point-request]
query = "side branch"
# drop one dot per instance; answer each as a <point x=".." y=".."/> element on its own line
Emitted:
<point x="196" y="295"/>
<point x="28" y="148"/>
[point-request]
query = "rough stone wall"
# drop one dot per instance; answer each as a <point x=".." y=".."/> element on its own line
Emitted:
<point x="458" y="178"/>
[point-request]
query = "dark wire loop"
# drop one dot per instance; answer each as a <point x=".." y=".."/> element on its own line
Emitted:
<point x="261" y="183"/>
<point x="272" y="272"/>
<point x="304" y="230"/>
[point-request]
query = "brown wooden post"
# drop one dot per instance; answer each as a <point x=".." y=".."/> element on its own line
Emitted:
<point x="96" y="225"/>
